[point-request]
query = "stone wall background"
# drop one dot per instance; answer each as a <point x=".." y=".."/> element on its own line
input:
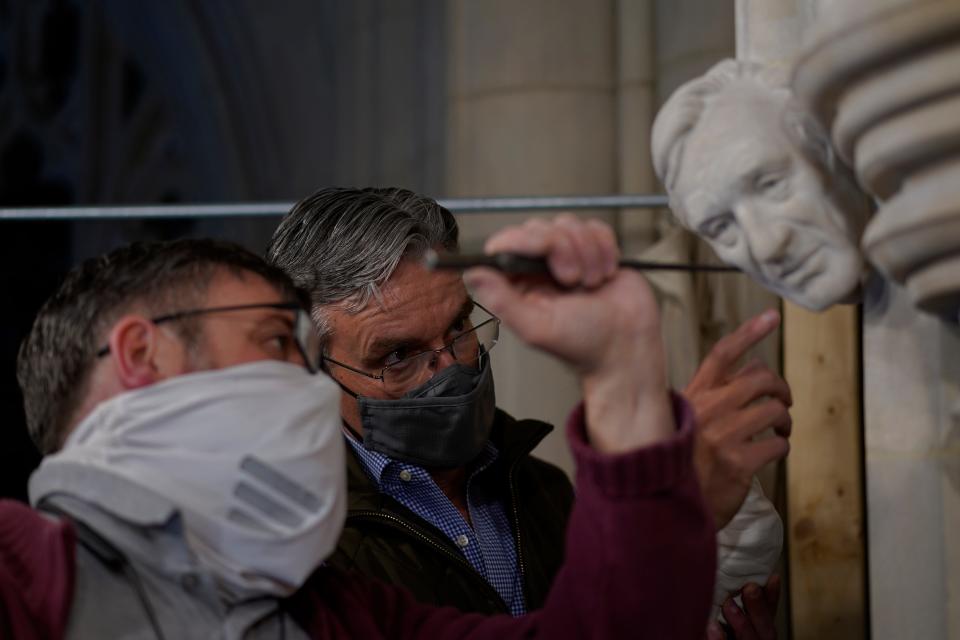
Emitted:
<point x="554" y="98"/>
<point x="239" y="101"/>
<point x="111" y="102"/>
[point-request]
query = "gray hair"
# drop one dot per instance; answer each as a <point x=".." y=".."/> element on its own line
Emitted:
<point x="681" y="113"/>
<point x="342" y="244"/>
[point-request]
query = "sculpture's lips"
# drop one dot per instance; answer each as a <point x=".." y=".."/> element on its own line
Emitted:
<point x="795" y="268"/>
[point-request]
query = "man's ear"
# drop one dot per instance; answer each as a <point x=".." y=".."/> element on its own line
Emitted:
<point x="134" y="345"/>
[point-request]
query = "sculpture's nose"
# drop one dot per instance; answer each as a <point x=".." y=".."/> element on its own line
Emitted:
<point x="768" y="239"/>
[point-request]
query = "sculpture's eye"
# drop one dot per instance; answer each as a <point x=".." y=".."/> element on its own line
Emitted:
<point x="719" y="229"/>
<point x="771" y="183"/>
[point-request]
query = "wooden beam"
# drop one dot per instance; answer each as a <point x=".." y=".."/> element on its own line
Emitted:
<point x="826" y="546"/>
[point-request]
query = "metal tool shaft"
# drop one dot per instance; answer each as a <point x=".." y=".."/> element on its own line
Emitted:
<point x="514" y="264"/>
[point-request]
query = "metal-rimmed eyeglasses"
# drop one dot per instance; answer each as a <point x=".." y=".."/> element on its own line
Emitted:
<point x="304" y="335"/>
<point x="478" y="336"/>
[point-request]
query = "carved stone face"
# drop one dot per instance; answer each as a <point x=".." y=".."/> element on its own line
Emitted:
<point x="746" y="188"/>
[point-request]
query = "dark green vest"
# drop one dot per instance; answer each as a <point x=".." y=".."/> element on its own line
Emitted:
<point x="385" y="540"/>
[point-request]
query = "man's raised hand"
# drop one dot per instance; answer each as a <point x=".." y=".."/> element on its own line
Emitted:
<point x="601" y="320"/>
<point x="732" y="406"/>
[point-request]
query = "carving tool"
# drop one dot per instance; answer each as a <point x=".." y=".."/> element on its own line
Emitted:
<point x="514" y="264"/>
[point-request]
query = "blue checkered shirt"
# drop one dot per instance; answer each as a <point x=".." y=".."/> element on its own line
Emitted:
<point x="488" y="546"/>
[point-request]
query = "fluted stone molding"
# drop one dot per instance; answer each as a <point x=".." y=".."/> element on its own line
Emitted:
<point x="888" y="89"/>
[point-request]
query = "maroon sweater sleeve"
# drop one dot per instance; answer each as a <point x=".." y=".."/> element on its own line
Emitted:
<point x="36" y="573"/>
<point x="640" y="560"/>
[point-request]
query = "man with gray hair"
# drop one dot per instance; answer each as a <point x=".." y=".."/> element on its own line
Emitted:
<point x="443" y="499"/>
<point x="753" y="174"/>
<point x="444" y="496"/>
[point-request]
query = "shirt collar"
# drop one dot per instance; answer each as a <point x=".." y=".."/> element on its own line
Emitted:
<point x="378" y="466"/>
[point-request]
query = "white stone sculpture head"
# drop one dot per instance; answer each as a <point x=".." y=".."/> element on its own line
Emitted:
<point x="755" y="176"/>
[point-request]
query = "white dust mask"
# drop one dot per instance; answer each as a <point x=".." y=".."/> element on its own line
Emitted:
<point x="251" y="456"/>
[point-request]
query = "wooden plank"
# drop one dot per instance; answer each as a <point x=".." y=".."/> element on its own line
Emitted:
<point x="824" y="475"/>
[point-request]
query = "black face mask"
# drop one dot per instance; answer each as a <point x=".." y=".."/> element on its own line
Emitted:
<point x="443" y="423"/>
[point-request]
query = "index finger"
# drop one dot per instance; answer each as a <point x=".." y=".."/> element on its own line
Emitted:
<point x="738" y="620"/>
<point x="759" y="611"/>
<point x="729" y="349"/>
<point x="772" y="590"/>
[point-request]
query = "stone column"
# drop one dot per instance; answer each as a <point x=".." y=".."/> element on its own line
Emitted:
<point x="532" y="110"/>
<point x="768" y="31"/>
<point x="882" y="76"/>
<point x="912" y="416"/>
<point x="636" y="108"/>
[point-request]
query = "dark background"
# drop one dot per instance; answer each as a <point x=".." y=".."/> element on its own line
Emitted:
<point x="117" y="102"/>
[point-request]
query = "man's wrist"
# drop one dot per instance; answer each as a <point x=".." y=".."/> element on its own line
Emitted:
<point x="635" y="472"/>
<point x="625" y="412"/>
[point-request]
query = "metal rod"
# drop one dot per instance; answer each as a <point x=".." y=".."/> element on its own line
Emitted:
<point x="276" y="209"/>
<point x="636" y="201"/>
<point x="146" y="211"/>
<point x="525" y="265"/>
